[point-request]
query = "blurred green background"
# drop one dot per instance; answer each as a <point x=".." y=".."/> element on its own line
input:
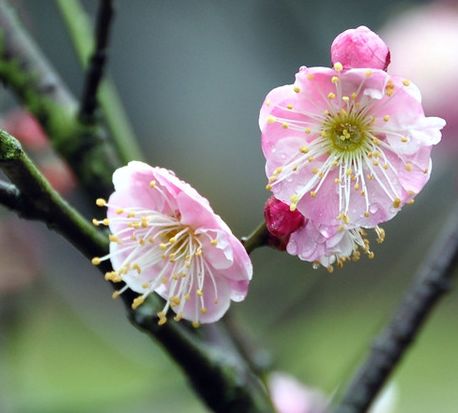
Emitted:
<point x="192" y="75"/>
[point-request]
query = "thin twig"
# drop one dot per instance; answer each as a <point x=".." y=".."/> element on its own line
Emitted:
<point x="258" y="238"/>
<point x="430" y="285"/>
<point x="221" y="377"/>
<point x="80" y="31"/>
<point x="97" y="62"/>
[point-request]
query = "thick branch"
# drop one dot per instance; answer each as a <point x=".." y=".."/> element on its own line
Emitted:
<point x="80" y="32"/>
<point x="221" y="377"/>
<point x="97" y="62"/>
<point x="430" y="285"/>
<point x="32" y="79"/>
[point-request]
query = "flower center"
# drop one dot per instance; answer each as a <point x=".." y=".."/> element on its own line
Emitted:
<point x="346" y="132"/>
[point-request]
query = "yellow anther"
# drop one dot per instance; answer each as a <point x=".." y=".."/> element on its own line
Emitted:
<point x="289" y="106"/>
<point x="356" y="186"/>
<point x="346" y="99"/>
<point x="214" y="242"/>
<point x="303" y="149"/>
<point x="307" y="131"/>
<point x="267" y="102"/>
<point x="152" y="184"/>
<point x="95" y="222"/>
<point x="334" y="79"/>
<point x="137" y="302"/>
<point x="406" y="82"/>
<point x="366" y="214"/>
<point x="203" y="310"/>
<point x="137" y="268"/>
<point x="285" y="125"/>
<point x="106" y="222"/>
<point x="315" y="170"/>
<point x="271" y="119"/>
<point x="113" y="238"/>
<point x="96" y="261"/>
<point x="349" y="172"/>
<point x="172" y="240"/>
<point x="178" y="317"/>
<point x="163" y="245"/>
<point x="345" y="219"/>
<point x="404" y="139"/>
<point x="408" y="167"/>
<point x="337" y="180"/>
<point x="278" y="170"/>
<point x="368" y="73"/>
<point x="386" y="118"/>
<point x="115" y="294"/>
<point x="331" y="95"/>
<point x="338" y="67"/>
<point x="195" y="324"/>
<point x="354" y="96"/>
<point x="146" y="285"/>
<point x="199" y="292"/>
<point x="410" y="201"/>
<point x="389" y="88"/>
<point x="370" y="255"/>
<point x="175" y="300"/>
<point x="310" y="76"/>
<point x="330" y="268"/>
<point x="396" y="202"/>
<point x="313" y="194"/>
<point x="296" y="89"/>
<point x="268" y="187"/>
<point x="162" y="318"/>
<point x="131" y="215"/>
<point x="100" y="202"/>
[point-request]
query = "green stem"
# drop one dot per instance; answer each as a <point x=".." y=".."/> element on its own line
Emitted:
<point x="258" y="238"/>
<point x="81" y="35"/>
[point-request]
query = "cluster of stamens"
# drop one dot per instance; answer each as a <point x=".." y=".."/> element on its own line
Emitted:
<point x="162" y="253"/>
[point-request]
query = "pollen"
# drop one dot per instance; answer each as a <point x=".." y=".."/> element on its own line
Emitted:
<point x="338" y="67"/>
<point x="100" y="202"/>
<point x="297" y="89"/>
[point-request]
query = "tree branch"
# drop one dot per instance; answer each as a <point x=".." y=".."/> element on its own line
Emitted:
<point x="28" y="74"/>
<point x="97" y="62"/>
<point x="221" y="377"/>
<point x="80" y="32"/>
<point x="430" y="285"/>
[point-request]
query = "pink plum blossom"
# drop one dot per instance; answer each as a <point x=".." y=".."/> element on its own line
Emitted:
<point x="347" y="148"/>
<point x="290" y="396"/>
<point x="166" y="238"/>
<point x="360" y="47"/>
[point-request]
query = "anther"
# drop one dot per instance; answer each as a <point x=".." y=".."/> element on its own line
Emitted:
<point x="396" y="202"/>
<point x="96" y="261"/>
<point x="296" y="89"/>
<point x="338" y="67"/>
<point x="137" y="302"/>
<point x="100" y="202"/>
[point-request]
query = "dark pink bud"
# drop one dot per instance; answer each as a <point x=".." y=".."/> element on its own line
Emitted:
<point x="360" y="47"/>
<point x="280" y="220"/>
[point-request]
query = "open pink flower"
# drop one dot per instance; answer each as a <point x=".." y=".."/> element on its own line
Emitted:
<point x="166" y="238"/>
<point x="347" y="147"/>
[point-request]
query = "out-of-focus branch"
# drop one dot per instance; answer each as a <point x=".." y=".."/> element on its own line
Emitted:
<point x="430" y="285"/>
<point x="221" y="377"/>
<point x="97" y="62"/>
<point x="80" y="32"/>
<point x="25" y="70"/>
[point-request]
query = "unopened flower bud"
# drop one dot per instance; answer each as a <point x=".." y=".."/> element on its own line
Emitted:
<point x="281" y="222"/>
<point x="360" y="47"/>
